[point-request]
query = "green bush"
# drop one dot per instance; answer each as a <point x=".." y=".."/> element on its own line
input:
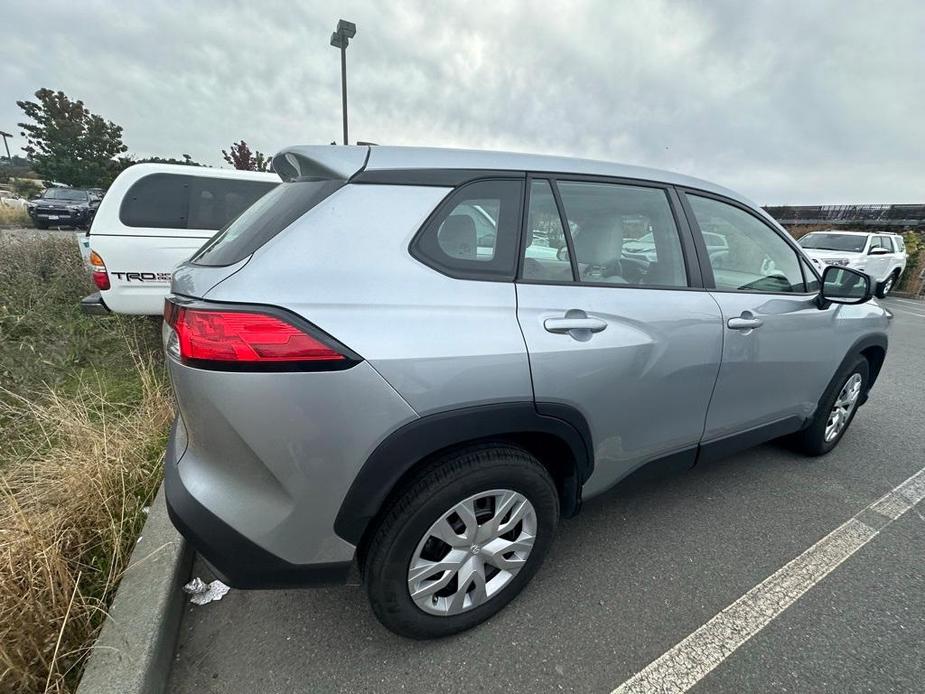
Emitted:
<point x="915" y="245"/>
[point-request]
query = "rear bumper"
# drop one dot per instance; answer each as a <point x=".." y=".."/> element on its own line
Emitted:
<point x="237" y="561"/>
<point x="259" y="463"/>
<point x="93" y="305"/>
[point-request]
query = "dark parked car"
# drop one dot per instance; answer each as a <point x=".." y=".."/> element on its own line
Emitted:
<point x="66" y="207"/>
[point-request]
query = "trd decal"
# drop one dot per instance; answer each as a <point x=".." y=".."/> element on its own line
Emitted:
<point x="142" y="276"/>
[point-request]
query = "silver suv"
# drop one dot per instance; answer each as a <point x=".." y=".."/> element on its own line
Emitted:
<point x="420" y="359"/>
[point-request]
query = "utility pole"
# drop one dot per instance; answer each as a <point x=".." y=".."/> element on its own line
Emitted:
<point x="6" y="135"/>
<point x="341" y="39"/>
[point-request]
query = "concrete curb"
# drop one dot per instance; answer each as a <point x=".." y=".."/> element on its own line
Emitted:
<point x="135" y="648"/>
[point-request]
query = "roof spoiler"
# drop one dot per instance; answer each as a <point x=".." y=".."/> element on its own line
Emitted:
<point x="320" y="161"/>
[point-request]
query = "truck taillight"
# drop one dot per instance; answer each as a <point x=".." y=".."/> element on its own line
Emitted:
<point x="229" y="337"/>
<point x="98" y="270"/>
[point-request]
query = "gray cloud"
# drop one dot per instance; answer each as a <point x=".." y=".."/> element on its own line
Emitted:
<point x="789" y="102"/>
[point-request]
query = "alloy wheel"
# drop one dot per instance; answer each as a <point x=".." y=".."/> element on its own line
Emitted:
<point x="472" y="552"/>
<point x="844" y="405"/>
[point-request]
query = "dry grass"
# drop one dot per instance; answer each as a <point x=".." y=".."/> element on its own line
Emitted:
<point x="14" y="216"/>
<point x="84" y="412"/>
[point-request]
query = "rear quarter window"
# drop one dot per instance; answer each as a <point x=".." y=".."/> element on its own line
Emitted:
<point x="176" y="201"/>
<point x="473" y="233"/>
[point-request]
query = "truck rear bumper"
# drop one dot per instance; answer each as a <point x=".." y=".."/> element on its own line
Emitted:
<point x="93" y="305"/>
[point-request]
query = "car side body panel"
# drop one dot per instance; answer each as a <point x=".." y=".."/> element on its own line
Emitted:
<point x="442" y="343"/>
<point x="780" y="370"/>
<point x="643" y="383"/>
<point x="272" y="454"/>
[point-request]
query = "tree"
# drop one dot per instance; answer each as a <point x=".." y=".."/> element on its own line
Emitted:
<point x="67" y="143"/>
<point x="240" y="157"/>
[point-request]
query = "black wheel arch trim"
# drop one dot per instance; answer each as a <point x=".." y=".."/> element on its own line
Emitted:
<point x="878" y="340"/>
<point x="404" y="448"/>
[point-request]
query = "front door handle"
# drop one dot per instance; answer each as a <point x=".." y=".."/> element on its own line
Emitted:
<point x="565" y="325"/>
<point x="745" y="322"/>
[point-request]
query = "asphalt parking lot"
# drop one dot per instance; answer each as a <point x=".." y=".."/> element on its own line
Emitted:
<point x="636" y="573"/>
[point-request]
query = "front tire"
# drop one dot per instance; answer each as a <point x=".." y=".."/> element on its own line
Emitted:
<point x="885" y="287"/>
<point x="460" y="541"/>
<point x="836" y="410"/>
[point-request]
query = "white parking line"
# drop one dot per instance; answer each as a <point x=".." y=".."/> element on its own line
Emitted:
<point x="920" y="304"/>
<point x="680" y="668"/>
<point x="904" y="310"/>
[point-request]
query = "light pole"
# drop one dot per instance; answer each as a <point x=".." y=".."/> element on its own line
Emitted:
<point x="341" y="39"/>
<point x="4" y="136"/>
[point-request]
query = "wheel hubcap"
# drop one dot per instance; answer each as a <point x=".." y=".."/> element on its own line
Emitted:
<point x="472" y="552"/>
<point x="845" y="403"/>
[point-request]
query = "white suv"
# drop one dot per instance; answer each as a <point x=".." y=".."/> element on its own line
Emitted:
<point x="881" y="255"/>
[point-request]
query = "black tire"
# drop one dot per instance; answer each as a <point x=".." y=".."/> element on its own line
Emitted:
<point x="811" y="440"/>
<point x="41" y="225"/>
<point x="451" y="479"/>
<point x="885" y="287"/>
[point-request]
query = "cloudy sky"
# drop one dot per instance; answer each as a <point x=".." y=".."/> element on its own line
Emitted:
<point x="788" y="102"/>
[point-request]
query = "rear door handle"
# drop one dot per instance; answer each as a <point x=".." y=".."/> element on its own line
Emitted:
<point x="564" y="325"/>
<point x="743" y="323"/>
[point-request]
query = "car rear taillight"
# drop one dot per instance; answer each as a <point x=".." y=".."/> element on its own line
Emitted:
<point x="252" y="337"/>
<point x="98" y="268"/>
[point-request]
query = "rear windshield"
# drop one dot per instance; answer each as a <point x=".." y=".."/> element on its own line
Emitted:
<point x="853" y="243"/>
<point x="263" y="220"/>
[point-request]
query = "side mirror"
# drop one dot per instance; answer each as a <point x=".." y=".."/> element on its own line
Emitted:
<point x="879" y="250"/>
<point x="842" y="285"/>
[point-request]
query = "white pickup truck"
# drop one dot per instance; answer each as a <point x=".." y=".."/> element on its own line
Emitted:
<point x="153" y="217"/>
<point x="882" y="255"/>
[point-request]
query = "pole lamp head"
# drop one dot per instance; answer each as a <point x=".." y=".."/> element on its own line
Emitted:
<point x="347" y="29"/>
<point x="345" y="32"/>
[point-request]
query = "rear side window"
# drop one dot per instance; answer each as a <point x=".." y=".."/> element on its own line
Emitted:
<point x="546" y="256"/>
<point x="213" y="202"/>
<point x="473" y="234"/>
<point x="159" y="201"/>
<point x="176" y="201"/>
<point x="880" y="242"/>
<point x="263" y="220"/>
<point x="622" y="234"/>
<point x="899" y="244"/>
